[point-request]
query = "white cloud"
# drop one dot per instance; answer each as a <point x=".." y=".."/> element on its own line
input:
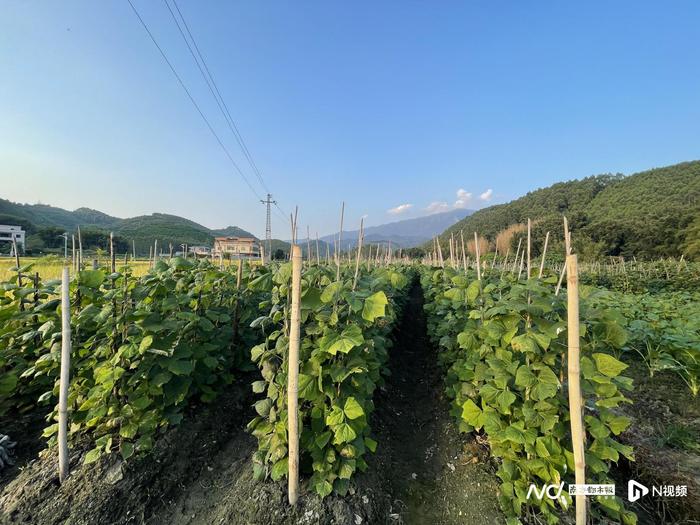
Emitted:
<point x="437" y="207"/>
<point x="401" y="208"/>
<point x="463" y="199"/>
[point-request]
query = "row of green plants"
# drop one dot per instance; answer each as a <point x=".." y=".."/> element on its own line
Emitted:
<point x="346" y="326"/>
<point x="663" y="328"/>
<point x="503" y="345"/>
<point x="646" y="277"/>
<point x="143" y="348"/>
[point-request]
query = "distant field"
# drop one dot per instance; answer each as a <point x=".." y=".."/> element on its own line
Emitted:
<point x="50" y="268"/>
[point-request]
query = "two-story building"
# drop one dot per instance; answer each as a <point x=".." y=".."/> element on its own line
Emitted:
<point x="236" y="247"/>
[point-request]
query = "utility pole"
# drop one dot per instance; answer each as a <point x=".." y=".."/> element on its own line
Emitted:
<point x="268" y="227"/>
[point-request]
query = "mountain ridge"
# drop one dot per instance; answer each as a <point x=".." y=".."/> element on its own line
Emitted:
<point x="648" y="214"/>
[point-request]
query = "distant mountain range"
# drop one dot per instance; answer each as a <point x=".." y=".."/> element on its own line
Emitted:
<point x="143" y="230"/>
<point x="402" y="234"/>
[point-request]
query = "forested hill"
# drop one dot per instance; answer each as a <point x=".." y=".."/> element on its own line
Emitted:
<point x="649" y="214"/>
<point x="44" y="224"/>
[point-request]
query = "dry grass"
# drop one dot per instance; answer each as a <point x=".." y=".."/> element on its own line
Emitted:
<point x="484" y="246"/>
<point x="505" y="237"/>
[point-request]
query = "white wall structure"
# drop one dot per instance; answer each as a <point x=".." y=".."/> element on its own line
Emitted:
<point x="8" y="233"/>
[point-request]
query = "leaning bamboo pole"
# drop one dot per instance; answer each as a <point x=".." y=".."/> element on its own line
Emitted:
<point x="293" y="378"/>
<point x="544" y="254"/>
<point x="574" y="378"/>
<point x="517" y="254"/>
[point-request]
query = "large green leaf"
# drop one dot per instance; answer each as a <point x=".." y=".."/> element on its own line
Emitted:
<point x="375" y="306"/>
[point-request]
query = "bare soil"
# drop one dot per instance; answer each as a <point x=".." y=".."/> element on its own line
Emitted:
<point x="661" y="404"/>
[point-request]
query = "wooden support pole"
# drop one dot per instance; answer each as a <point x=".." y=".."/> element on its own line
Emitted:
<point x="544" y="254"/>
<point x="63" y="459"/>
<point x="308" y="245"/>
<point x="464" y="253"/>
<point x="567" y="249"/>
<point x="359" y="252"/>
<point x="478" y="256"/>
<point x="517" y="254"/>
<point x="318" y="254"/>
<point x="529" y="245"/>
<point x="340" y="241"/>
<point x="112" y="256"/>
<point x="505" y="262"/>
<point x="293" y="378"/>
<point x="574" y="377"/>
<point x="80" y="250"/>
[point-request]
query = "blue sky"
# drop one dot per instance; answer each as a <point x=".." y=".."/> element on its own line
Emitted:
<point x="380" y="104"/>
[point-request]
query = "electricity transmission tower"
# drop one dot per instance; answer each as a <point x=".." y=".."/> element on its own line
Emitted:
<point x="268" y="228"/>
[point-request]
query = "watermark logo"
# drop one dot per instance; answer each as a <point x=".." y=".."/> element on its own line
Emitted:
<point x="551" y="491"/>
<point x="635" y="490"/>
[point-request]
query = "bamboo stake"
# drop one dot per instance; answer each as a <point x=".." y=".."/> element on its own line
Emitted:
<point x="308" y="245"/>
<point x="478" y="256"/>
<point x="505" y="262"/>
<point x="113" y="261"/>
<point x="340" y="240"/>
<point x="63" y="460"/>
<point x="293" y="378"/>
<point x="567" y="245"/>
<point x="522" y="261"/>
<point x="574" y="376"/>
<point x="318" y="254"/>
<point x="80" y="250"/>
<point x="464" y="253"/>
<point x="517" y="253"/>
<point x="74" y="262"/>
<point x="452" y="254"/>
<point x="529" y="245"/>
<point x="544" y="254"/>
<point x="133" y="248"/>
<point x="359" y="252"/>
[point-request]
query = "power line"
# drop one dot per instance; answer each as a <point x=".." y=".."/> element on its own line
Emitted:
<point x="194" y="103"/>
<point x="218" y="97"/>
<point x="214" y="89"/>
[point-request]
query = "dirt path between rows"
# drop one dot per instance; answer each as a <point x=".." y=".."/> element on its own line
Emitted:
<point x="438" y="475"/>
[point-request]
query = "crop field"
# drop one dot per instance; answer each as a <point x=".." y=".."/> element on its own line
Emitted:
<point x="178" y="396"/>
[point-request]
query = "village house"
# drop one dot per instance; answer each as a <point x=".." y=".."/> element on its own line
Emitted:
<point x="236" y="247"/>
